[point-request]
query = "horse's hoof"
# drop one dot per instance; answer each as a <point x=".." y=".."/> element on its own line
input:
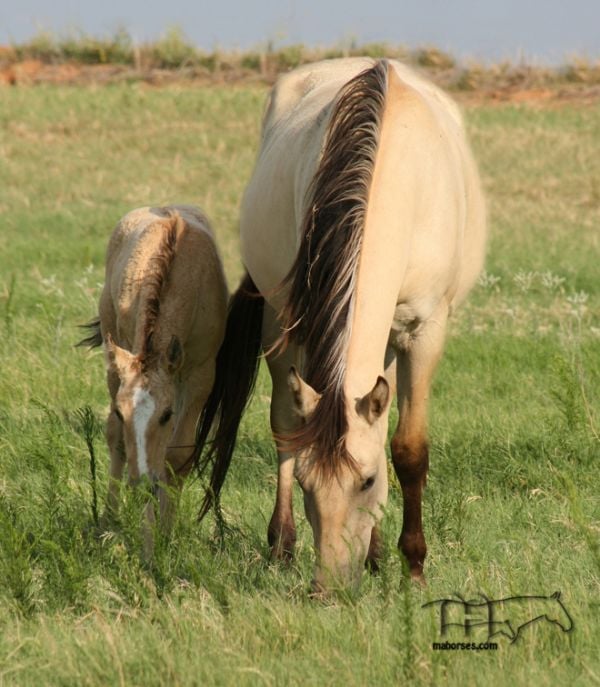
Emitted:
<point x="418" y="579"/>
<point x="282" y="554"/>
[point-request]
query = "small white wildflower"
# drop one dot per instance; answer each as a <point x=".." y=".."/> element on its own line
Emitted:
<point x="578" y="298"/>
<point x="550" y="281"/>
<point x="524" y="280"/>
<point x="489" y="281"/>
<point x="50" y="286"/>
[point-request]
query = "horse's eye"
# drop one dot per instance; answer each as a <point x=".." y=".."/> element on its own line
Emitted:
<point x="368" y="483"/>
<point x="165" y="417"/>
<point x="118" y="414"/>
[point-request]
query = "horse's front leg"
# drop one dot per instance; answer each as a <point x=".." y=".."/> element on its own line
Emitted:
<point x="116" y="449"/>
<point x="375" y="552"/>
<point x="410" y="454"/>
<point x="179" y="463"/>
<point x="281" y="533"/>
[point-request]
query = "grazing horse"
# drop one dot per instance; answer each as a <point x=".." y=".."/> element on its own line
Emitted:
<point x="162" y="319"/>
<point x="362" y="228"/>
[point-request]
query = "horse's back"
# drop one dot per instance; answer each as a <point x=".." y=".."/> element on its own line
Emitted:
<point x="194" y="296"/>
<point x="429" y="135"/>
<point x="311" y="86"/>
<point x="131" y="227"/>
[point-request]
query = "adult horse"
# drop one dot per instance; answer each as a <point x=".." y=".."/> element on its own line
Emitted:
<point x="362" y="227"/>
<point x="162" y="319"/>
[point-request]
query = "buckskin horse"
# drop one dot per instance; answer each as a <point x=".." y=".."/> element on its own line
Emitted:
<point x="362" y="228"/>
<point x="162" y="319"/>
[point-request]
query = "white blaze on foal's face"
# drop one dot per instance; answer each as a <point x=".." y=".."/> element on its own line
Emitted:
<point x="143" y="409"/>
<point x="144" y="406"/>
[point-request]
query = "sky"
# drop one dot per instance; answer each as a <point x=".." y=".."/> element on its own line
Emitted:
<point x="539" y="31"/>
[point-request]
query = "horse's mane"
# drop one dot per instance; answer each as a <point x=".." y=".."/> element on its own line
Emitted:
<point x="322" y="280"/>
<point x="154" y="281"/>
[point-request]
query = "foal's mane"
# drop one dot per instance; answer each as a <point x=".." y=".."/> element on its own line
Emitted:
<point x="322" y="280"/>
<point x="154" y="282"/>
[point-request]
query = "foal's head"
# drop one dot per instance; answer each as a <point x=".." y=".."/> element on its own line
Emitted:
<point x="343" y="503"/>
<point x="144" y="405"/>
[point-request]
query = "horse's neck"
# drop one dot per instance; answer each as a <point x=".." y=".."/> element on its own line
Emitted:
<point x="374" y="306"/>
<point x="381" y="268"/>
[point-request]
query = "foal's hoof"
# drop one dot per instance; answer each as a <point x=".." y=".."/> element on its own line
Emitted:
<point x="284" y="554"/>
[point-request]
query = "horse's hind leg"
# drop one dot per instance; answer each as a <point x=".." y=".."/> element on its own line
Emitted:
<point x="416" y="364"/>
<point x="281" y="533"/>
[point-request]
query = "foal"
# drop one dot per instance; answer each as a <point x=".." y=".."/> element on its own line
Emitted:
<point x="162" y="319"/>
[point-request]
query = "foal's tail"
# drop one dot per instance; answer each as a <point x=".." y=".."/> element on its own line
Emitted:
<point x="237" y="367"/>
<point x="94" y="337"/>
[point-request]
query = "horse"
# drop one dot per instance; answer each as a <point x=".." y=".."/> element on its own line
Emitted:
<point x="161" y="319"/>
<point x="362" y="228"/>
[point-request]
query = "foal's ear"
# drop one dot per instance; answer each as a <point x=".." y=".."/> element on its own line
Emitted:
<point x="174" y="355"/>
<point x="116" y="357"/>
<point x="304" y="396"/>
<point x="372" y="405"/>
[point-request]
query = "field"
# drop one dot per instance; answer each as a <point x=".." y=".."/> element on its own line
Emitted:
<point x="512" y="505"/>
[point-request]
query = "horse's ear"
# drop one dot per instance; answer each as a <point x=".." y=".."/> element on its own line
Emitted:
<point x="372" y="405"/>
<point x="174" y="356"/>
<point x="556" y="595"/>
<point x="117" y="358"/>
<point x="304" y="396"/>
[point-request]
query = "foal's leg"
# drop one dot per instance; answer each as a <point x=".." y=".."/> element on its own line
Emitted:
<point x="281" y="533"/>
<point x="415" y="367"/>
<point x="116" y="448"/>
<point x="178" y="464"/>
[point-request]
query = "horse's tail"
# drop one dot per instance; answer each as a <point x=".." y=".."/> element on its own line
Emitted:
<point x="237" y="367"/>
<point x="94" y="338"/>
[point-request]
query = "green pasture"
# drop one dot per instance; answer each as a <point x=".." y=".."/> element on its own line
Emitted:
<point x="513" y="501"/>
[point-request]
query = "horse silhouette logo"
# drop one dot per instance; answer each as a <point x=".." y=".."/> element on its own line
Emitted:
<point x="506" y="616"/>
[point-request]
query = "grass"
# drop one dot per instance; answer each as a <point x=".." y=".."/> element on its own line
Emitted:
<point x="512" y="504"/>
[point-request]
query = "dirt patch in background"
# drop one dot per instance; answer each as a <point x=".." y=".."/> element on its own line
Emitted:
<point x="35" y="72"/>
